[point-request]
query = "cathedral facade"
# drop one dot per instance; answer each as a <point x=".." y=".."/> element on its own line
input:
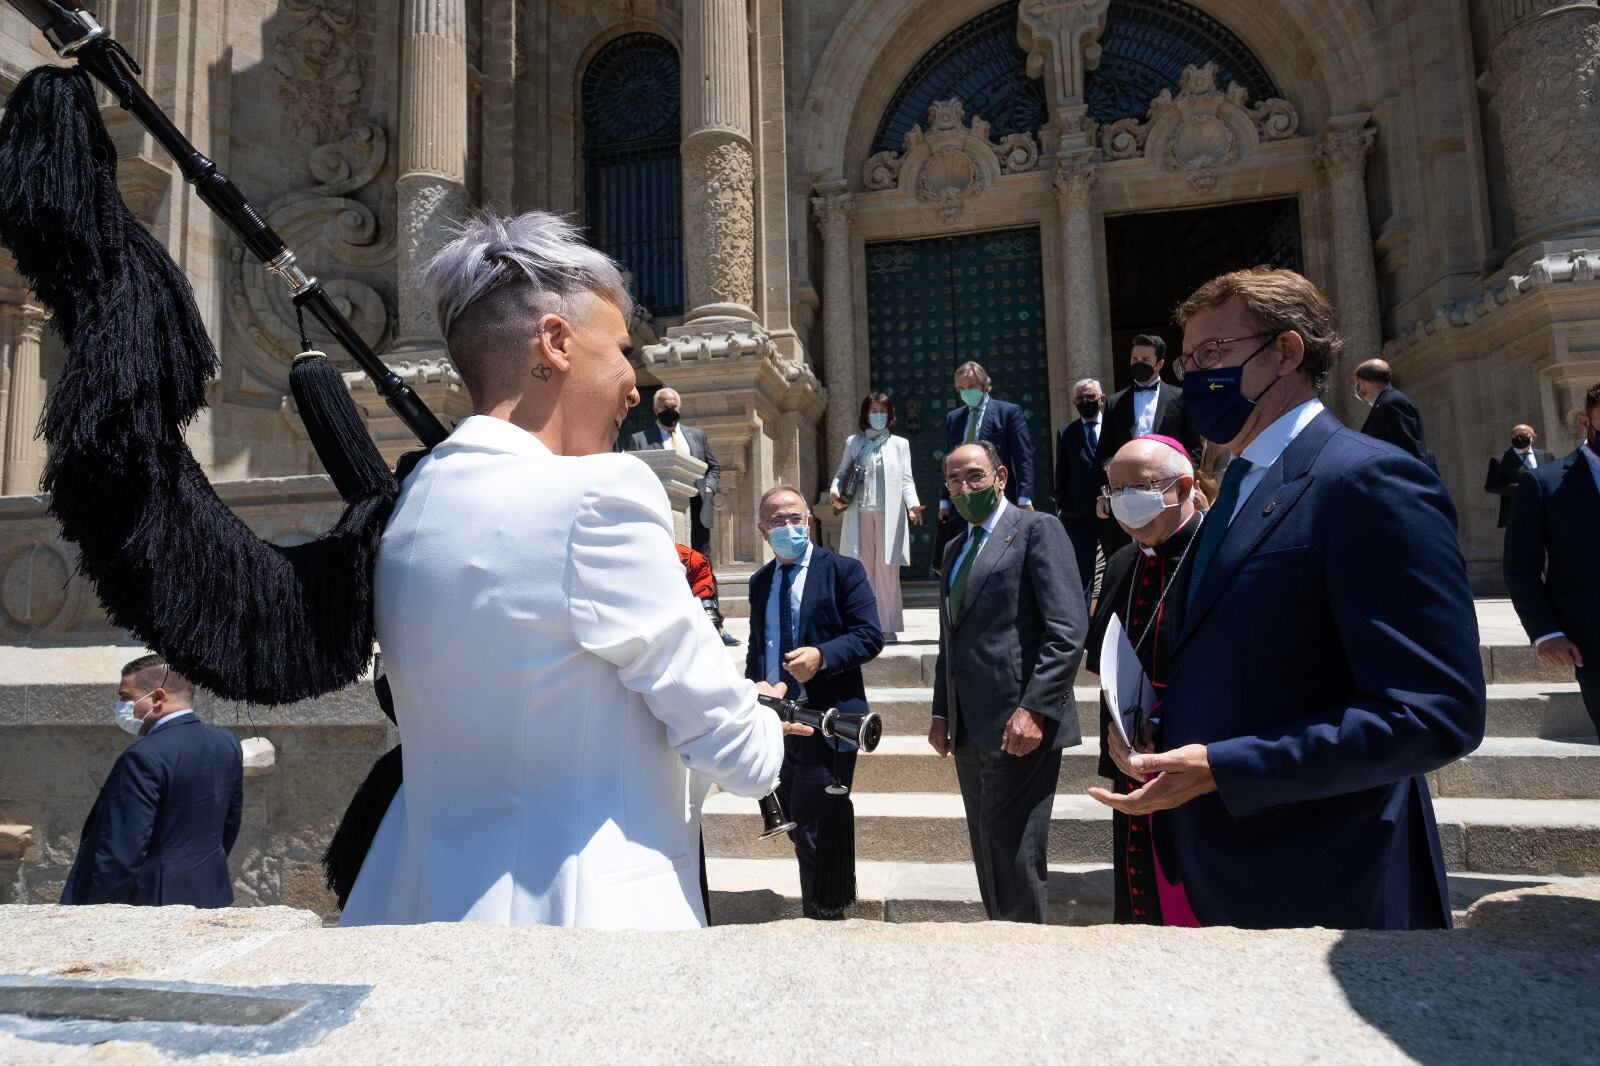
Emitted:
<point x="813" y="199"/>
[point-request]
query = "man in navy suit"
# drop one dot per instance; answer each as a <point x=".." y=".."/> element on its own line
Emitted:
<point x="980" y="417"/>
<point x="168" y="814"/>
<point x="1324" y="648"/>
<point x="813" y="626"/>
<point x="1078" y="478"/>
<point x="1550" y="565"/>
<point x="1394" y="417"/>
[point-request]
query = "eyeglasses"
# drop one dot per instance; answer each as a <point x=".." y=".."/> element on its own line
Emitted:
<point x="778" y="521"/>
<point x="1153" y="485"/>
<point x="1207" y="355"/>
<point x="972" y="479"/>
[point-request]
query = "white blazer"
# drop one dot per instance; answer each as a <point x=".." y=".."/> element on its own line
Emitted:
<point x="555" y="684"/>
<point x="898" y="485"/>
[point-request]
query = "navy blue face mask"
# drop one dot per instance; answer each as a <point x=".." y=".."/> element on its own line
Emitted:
<point x="1213" y="403"/>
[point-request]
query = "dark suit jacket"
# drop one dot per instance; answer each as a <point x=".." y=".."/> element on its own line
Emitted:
<point x="1394" y="418"/>
<point x="1549" y="563"/>
<point x="1019" y="637"/>
<point x="1077" y="482"/>
<point x="164" y="822"/>
<point x="700" y="448"/>
<point x="1005" y="425"/>
<point x="1329" y="661"/>
<point x="838" y="616"/>
<point x="1503" y="474"/>
<point x="1117" y="428"/>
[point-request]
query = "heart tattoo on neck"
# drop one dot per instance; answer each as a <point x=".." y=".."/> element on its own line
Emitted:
<point x="542" y="371"/>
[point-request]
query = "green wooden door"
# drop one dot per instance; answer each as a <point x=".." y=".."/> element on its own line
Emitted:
<point x="934" y="304"/>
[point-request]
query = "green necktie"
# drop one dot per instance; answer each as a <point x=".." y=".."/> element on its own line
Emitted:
<point x="974" y="423"/>
<point x="958" y="587"/>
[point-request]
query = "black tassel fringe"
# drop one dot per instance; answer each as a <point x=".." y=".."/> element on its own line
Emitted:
<point x="244" y="618"/>
<point x="353" y="839"/>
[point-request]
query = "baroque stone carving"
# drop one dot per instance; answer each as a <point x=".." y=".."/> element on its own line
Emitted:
<point x="1544" y="83"/>
<point x="320" y="70"/>
<point x="428" y="204"/>
<point x="951" y="163"/>
<point x="719" y="179"/>
<point x="1202" y="129"/>
<point x="329" y="231"/>
<point x="1557" y="271"/>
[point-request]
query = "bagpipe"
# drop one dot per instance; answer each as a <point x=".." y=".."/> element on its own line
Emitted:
<point x="247" y="619"/>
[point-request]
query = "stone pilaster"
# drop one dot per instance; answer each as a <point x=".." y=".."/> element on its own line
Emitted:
<point x="433" y="151"/>
<point x="1342" y="153"/>
<point x="833" y="210"/>
<point x="718" y="164"/>
<point x="1061" y="38"/>
<point x="1074" y="188"/>
<point x="1543" y="81"/>
<point x="24" y="455"/>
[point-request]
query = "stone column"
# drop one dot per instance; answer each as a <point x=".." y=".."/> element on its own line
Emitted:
<point x="1074" y="188"/>
<point x="833" y="212"/>
<point x="719" y="221"/>
<point x="1342" y="153"/>
<point x="24" y="404"/>
<point x="1543" y="81"/>
<point x="433" y="151"/>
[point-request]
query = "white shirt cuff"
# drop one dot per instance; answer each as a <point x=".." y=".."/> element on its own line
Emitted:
<point x="944" y="505"/>
<point x="1023" y="501"/>
<point x="1548" y="636"/>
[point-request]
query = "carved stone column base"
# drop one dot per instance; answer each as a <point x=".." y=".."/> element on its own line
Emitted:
<point x="759" y="410"/>
<point x="429" y="206"/>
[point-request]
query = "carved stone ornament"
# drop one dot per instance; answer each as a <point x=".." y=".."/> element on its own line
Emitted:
<point x="719" y="188"/>
<point x="321" y="71"/>
<point x="953" y="162"/>
<point x="1202" y="129"/>
<point x="331" y="233"/>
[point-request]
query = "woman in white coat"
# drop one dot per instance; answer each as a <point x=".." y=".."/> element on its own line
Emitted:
<point x="875" y="514"/>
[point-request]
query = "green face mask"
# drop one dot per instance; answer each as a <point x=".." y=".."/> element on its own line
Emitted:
<point x="977" y="506"/>
<point x="972" y="397"/>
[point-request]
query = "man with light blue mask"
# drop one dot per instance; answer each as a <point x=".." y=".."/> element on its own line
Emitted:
<point x="813" y="626"/>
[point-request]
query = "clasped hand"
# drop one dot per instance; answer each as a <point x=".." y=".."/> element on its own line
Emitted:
<point x="1182" y="774"/>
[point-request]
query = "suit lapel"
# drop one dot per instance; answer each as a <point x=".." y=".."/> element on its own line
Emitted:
<point x="1274" y="496"/>
<point x="1577" y="485"/>
<point x="760" y="591"/>
<point x="991" y="552"/>
<point x="818" y="572"/>
<point x="947" y="574"/>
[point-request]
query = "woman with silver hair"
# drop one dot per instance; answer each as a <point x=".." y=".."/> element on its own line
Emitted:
<point x="562" y="699"/>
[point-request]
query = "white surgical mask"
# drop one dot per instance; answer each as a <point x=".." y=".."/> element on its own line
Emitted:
<point x="1137" y="508"/>
<point x="129" y="722"/>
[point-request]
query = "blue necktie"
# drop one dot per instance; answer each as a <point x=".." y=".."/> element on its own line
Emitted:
<point x="1092" y="431"/>
<point x="1216" y="524"/>
<point x="786" y="629"/>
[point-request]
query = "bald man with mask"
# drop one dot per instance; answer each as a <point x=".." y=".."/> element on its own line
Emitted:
<point x="1150" y="494"/>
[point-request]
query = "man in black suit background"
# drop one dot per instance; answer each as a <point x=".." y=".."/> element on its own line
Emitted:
<point x="1394" y="418"/>
<point x="1506" y="470"/>
<point x="1077" y="481"/>
<point x="670" y="432"/>
<point x="1147" y="406"/>
<point x="167" y="816"/>
<point x="1549" y="562"/>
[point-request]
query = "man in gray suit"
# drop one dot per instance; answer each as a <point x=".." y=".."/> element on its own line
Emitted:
<point x="669" y="432"/>
<point x="1011" y="628"/>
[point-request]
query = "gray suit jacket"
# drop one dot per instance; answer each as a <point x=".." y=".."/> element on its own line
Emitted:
<point x="1018" y="641"/>
<point x="646" y="439"/>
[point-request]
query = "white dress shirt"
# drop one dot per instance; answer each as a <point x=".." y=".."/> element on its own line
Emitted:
<point x="796" y="593"/>
<point x="1270" y="444"/>
<point x="1529" y="459"/>
<point x="675" y="438"/>
<point x="166" y="718"/>
<point x="1144" y="409"/>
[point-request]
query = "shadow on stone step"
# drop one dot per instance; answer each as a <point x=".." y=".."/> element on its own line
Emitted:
<point x="1495" y="991"/>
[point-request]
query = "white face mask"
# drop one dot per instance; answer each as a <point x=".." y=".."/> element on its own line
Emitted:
<point x="1137" y="508"/>
<point x="129" y="722"/>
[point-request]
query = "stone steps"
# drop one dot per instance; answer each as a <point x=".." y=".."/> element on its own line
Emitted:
<point x="1492" y="836"/>
<point x="1505" y="767"/>
<point x="1529" y="709"/>
<point x="745" y="891"/>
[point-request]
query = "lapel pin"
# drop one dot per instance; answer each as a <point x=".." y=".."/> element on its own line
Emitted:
<point x="1268" y="508"/>
<point x="1009" y="536"/>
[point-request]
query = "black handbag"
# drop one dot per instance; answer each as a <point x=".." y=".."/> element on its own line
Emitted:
<point x="851" y="483"/>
